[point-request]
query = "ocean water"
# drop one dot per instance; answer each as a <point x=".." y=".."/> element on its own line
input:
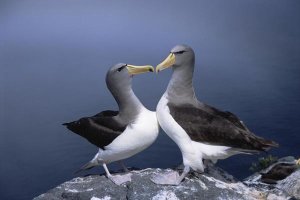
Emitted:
<point x="54" y="56"/>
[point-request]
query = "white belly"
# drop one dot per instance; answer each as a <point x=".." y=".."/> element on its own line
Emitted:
<point x="191" y="156"/>
<point x="136" y="137"/>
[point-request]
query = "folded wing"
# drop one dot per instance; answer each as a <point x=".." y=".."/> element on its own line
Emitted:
<point x="100" y="129"/>
<point x="209" y="125"/>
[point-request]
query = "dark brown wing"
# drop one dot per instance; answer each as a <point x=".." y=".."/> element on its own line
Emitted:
<point x="100" y="129"/>
<point x="225" y="114"/>
<point x="209" y="125"/>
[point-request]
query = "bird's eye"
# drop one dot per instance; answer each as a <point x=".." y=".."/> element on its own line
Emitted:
<point x="121" y="68"/>
<point x="180" y="52"/>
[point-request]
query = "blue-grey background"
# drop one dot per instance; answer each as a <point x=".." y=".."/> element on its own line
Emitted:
<point x="54" y="55"/>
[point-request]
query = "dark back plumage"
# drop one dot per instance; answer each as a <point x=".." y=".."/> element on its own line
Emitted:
<point x="209" y="125"/>
<point x="100" y="129"/>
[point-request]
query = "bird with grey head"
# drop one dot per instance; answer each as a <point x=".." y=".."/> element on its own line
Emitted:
<point x="123" y="133"/>
<point x="200" y="130"/>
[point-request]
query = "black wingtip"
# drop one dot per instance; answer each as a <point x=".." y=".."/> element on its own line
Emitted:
<point x="87" y="166"/>
<point x="65" y="124"/>
<point x="77" y="171"/>
<point x="272" y="143"/>
<point x="268" y="144"/>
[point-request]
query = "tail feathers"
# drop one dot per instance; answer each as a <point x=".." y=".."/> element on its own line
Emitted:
<point x="75" y="126"/>
<point x="68" y="124"/>
<point x="267" y="144"/>
<point x="87" y="166"/>
<point x="261" y="145"/>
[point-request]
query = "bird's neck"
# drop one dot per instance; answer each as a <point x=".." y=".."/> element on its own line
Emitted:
<point x="180" y="88"/>
<point x="129" y="104"/>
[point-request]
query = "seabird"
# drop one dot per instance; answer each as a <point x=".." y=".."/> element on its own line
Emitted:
<point x="200" y="131"/>
<point x="280" y="170"/>
<point x="119" y="134"/>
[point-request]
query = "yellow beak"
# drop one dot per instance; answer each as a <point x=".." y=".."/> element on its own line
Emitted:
<point x="133" y="69"/>
<point x="168" y="62"/>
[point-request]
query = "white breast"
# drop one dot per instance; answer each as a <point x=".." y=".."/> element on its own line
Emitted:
<point x="191" y="156"/>
<point x="137" y="136"/>
<point x="192" y="151"/>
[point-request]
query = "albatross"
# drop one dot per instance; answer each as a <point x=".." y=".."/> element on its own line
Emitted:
<point x="200" y="131"/>
<point x="119" y="134"/>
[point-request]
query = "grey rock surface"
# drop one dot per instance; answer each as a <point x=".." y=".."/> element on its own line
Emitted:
<point x="213" y="184"/>
<point x="291" y="184"/>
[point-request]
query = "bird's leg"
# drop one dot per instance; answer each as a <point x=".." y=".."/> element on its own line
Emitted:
<point x="117" y="179"/>
<point x="185" y="172"/>
<point x="170" y="178"/>
<point x="123" y="166"/>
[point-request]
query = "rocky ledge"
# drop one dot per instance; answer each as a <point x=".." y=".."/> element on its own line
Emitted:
<point x="215" y="183"/>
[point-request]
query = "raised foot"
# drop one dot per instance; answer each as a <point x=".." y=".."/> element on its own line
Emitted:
<point x="120" y="179"/>
<point x="168" y="178"/>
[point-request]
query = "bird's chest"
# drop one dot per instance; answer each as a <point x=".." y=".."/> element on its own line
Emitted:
<point x="170" y="126"/>
<point x="145" y="128"/>
<point x="140" y="133"/>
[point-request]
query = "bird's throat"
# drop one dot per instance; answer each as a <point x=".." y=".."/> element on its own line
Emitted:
<point x="180" y="88"/>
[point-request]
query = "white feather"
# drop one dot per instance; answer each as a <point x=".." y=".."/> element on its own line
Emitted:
<point x="192" y="152"/>
<point x="136" y="137"/>
<point x="191" y="156"/>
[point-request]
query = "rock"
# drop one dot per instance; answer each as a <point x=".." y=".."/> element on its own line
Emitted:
<point x="90" y="187"/>
<point x="291" y="185"/>
<point x="276" y="175"/>
<point x="279" y="170"/>
<point x="213" y="184"/>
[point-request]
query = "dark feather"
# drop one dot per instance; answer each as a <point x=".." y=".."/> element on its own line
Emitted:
<point x="100" y="129"/>
<point x="278" y="172"/>
<point x="209" y="125"/>
<point x="87" y="166"/>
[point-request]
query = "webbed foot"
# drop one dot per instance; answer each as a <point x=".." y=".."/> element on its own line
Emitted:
<point x="168" y="178"/>
<point x="120" y="179"/>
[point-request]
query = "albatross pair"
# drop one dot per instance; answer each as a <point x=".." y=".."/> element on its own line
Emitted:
<point x="199" y="130"/>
